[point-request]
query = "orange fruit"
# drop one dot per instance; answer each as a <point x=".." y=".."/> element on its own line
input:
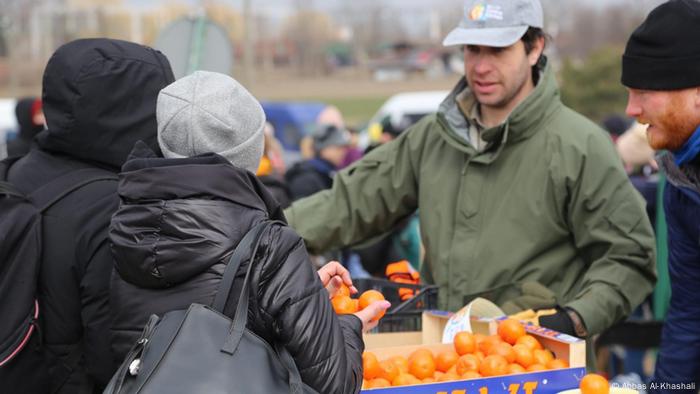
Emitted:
<point x="448" y="377"/>
<point x="370" y="366"/>
<point x="529" y="341"/>
<point x="470" y="375"/>
<point x="369" y="297"/>
<point x="557" y="363"/>
<point x="594" y="384"/>
<point x="488" y="342"/>
<point x="405" y="380"/>
<point x="542" y="356"/>
<point x="401" y="362"/>
<point x="343" y="305"/>
<point x="464" y="343"/>
<point x="422" y="352"/>
<point x="428" y="380"/>
<point x="494" y="365"/>
<point x="480" y="355"/>
<point x="377" y="383"/>
<point x="437" y="374"/>
<point x="536" y="368"/>
<point x="445" y="360"/>
<point x="452" y="370"/>
<point x="510" y="330"/>
<point x="421" y="364"/>
<point x="389" y="370"/>
<point x="468" y="362"/>
<point x="515" y="369"/>
<point x="503" y="349"/>
<point x="343" y="290"/>
<point x="523" y="355"/>
<point x="478" y="338"/>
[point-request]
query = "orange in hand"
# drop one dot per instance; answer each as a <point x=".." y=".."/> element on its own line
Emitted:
<point x="369" y="297"/>
<point x="594" y="384"/>
<point x="343" y="305"/>
<point x="343" y="290"/>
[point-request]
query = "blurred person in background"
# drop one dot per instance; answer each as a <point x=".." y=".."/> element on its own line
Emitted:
<point x="503" y="162"/>
<point x="272" y="168"/>
<point x="88" y="132"/>
<point x="330" y="144"/>
<point x="30" y="118"/>
<point x="660" y="70"/>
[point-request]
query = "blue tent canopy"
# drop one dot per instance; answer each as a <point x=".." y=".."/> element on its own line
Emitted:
<point x="292" y="120"/>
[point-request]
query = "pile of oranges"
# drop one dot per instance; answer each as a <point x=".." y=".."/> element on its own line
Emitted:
<point x="343" y="304"/>
<point x="473" y="356"/>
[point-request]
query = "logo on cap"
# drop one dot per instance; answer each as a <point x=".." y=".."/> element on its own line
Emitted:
<point x="482" y="12"/>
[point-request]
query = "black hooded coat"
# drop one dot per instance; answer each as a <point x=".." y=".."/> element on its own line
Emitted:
<point x="179" y="222"/>
<point x="99" y="98"/>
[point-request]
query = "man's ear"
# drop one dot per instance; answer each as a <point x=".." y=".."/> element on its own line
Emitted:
<point x="536" y="51"/>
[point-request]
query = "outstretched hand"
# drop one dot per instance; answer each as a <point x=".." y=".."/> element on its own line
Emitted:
<point x="333" y="276"/>
<point x="367" y="315"/>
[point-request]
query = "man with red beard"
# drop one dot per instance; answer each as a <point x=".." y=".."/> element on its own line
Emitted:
<point x="661" y="69"/>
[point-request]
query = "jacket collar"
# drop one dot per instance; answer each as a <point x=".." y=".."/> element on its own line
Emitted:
<point x="145" y="176"/>
<point x="521" y="124"/>
<point x="690" y="150"/>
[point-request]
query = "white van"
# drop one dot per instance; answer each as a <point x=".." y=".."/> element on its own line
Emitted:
<point x="404" y="110"/>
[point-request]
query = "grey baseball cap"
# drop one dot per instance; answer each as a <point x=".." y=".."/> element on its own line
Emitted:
<point x="495" y="23"/>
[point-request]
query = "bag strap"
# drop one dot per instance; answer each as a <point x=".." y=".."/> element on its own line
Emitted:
<point x="241" y="253"/>
<point x="240" y="319"/>
<point x="52" y="192"/>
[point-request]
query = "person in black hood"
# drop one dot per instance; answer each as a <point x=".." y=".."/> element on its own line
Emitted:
<point x="99" y="98"/>
<point x="30" y="119"/>
<point x="182" y="216"/>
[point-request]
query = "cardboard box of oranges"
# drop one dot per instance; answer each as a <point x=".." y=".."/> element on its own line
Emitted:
<point x="499" y="356"/>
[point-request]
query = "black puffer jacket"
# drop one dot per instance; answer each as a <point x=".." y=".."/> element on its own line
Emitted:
<point x="99" y="98"/>
<point x="179" y="222"/>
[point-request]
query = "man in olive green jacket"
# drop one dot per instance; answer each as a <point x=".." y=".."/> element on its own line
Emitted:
<point x="521" y="200"/>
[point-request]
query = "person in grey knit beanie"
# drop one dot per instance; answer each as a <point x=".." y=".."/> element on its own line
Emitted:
<point x="211" y="112"/>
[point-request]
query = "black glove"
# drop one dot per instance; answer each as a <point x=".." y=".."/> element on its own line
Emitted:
<point x="559" y="321"/>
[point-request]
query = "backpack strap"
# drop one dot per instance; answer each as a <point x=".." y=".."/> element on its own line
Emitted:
<point x="52" y="192"/>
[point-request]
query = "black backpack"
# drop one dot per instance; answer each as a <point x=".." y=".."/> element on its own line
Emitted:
<point x="20" y="256"/>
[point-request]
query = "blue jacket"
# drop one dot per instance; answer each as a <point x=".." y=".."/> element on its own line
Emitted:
<point x="679" y="357"/>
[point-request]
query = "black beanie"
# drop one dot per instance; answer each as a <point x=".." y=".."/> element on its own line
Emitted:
<point x="664" y="52"/>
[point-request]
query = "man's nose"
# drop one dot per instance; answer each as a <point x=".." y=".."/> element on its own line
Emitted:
<point x="633" y="108"/>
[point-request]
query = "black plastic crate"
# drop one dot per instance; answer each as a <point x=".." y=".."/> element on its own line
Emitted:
<point x="403" y="315"/>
